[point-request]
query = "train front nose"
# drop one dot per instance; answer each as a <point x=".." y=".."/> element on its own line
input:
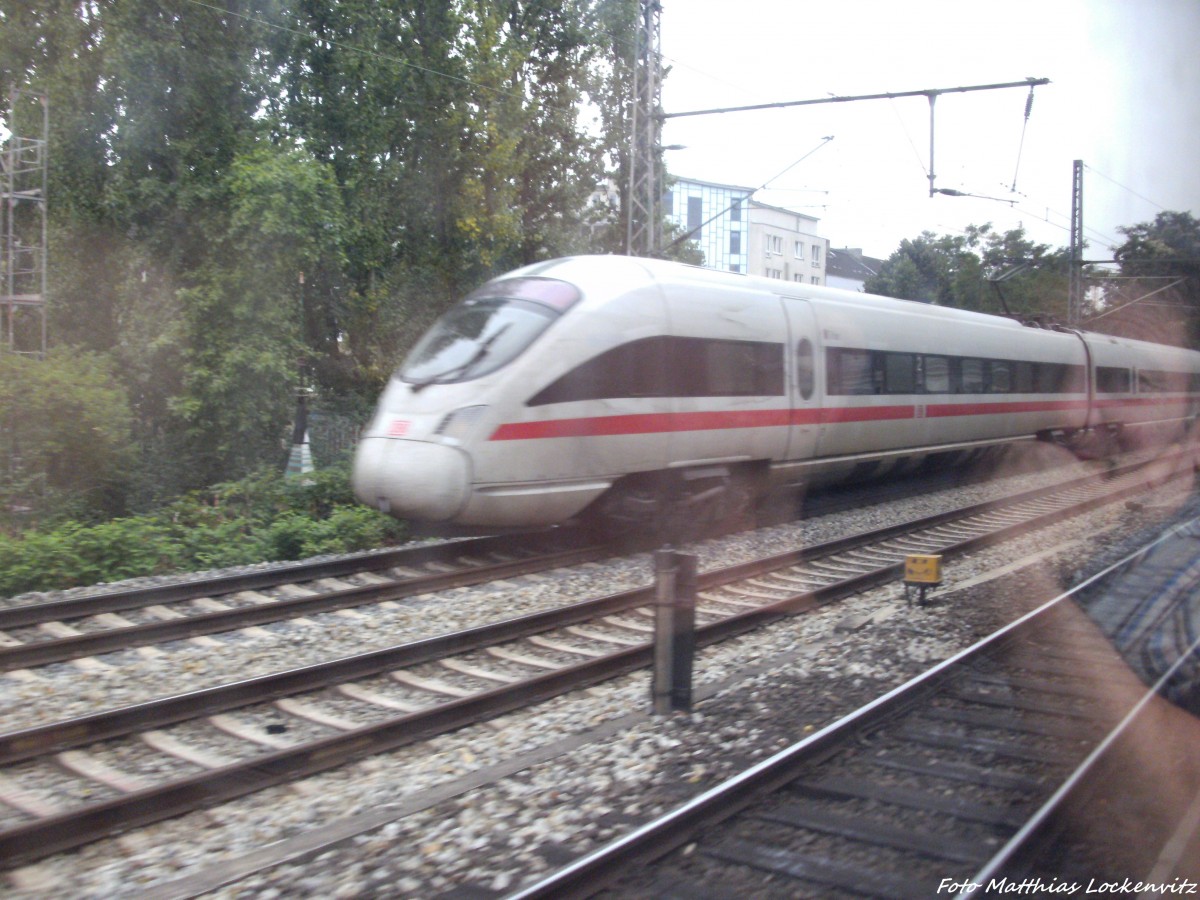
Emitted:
<point x="411" y="479"/>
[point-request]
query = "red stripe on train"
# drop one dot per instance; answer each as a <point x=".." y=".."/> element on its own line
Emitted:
<point x="658" y="423"/>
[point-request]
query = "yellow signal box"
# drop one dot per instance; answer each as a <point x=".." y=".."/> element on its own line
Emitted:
<point x="922" y="571"/>
<point x="923" y="568"/>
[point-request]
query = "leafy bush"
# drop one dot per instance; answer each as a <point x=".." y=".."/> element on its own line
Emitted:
<point x="264" y="517"/>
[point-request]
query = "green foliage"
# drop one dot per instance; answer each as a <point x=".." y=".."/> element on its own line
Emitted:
<point x="245" y="321"/>
<point x="263" y="517"/>
<point x="65" y="422"/>
<point x="955" y="270"/>
<point x="1159" y="259"/>
<point x="241" y="196"/>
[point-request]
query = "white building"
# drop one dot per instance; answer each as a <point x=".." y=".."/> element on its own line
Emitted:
<point x="785" y="245"/>
<point x="738" y="234"/>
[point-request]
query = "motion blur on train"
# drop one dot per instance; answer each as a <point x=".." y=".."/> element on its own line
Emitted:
<point x="632" y="394"/>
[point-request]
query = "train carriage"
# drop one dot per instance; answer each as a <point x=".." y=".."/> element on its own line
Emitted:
<point x="627" y="390"/>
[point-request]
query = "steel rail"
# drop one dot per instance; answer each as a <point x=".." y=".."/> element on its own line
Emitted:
<point x="45" y="652"/>
<point x="40" y="653"/>
<point x="123" y="600"/>
<point x="600" y="868"/>
<point x="24" y="744"/>
<point x="1077" y="782"/>
<point x="74" y="827"/>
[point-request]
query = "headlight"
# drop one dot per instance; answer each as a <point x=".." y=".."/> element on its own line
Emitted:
<point x="456" y="428"/>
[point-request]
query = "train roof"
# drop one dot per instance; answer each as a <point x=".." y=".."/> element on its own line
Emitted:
<point x="661" y="271"/>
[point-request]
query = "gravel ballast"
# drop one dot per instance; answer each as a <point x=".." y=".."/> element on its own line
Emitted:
<point x="493" y="806"/>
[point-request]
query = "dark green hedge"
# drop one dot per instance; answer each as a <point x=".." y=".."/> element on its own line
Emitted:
<point x="266" y="517"/>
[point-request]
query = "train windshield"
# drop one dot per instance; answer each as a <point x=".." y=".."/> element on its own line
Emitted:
<point x="490" y="328"/>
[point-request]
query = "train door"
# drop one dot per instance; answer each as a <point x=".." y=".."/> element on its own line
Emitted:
<point x="805" y="379"/>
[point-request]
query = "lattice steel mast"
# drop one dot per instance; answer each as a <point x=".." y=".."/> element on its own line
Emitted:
<point x="24" y="164"/>
<point x="1075" y="281"/>
<point x="643" y="232"/>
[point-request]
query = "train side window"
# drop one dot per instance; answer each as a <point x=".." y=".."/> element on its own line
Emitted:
<point x="706" y="367"/>
<point x="1000" y="381"/>
<point x="1048" y="377"/>
<point x="1156" y="381"/>
<point x="850" y="372"/>
<point x="1023" y="377"/>
<point x="955" y="375"/>
<point x="973" y="376"/>
<point x="1113" y="380"/>
<point x="806" y="368"/>
<point x="1060" y="378"/>
<point x="937" y="375"/>
<point x="899" y="373"/>
<point x="636" y="369"/>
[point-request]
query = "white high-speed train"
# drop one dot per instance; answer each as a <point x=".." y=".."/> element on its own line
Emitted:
<point x="631" y="390"/>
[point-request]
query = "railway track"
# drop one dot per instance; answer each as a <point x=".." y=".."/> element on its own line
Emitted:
<point x="40" y="634"/>
<point x="45" y="633"/>
<point x="956" y="780"/>
<point x="70" y="782"/>
<point x="36" y="634"/>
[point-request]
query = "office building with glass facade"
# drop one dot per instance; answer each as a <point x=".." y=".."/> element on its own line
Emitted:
<point x="738" y="234"/>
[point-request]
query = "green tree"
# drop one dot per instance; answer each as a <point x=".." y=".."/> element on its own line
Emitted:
<point x="246" y="319"/>
<point x="394" y="154"/>
<point x="981" y="269"/>
<point x="1162" y="303"/>
<point x="65" y="427"/>
<point x="931" y="269"/>
<point x="455" y="136"/>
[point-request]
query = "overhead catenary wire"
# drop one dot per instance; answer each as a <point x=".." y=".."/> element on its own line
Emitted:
<point x="1153" y="203"/>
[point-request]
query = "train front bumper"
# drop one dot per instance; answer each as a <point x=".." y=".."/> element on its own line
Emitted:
<point x="411" y="479"/>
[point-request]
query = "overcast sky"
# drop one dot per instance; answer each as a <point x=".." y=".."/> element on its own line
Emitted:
<point x="1124" y="97"/>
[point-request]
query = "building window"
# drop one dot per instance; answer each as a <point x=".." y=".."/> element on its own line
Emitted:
<point x="816" y="279"/>
<point x="735" y="242"/>
<point x="816" y="254"/>
<point x="735" y="211"/>
<point x="695" y="217"/>
<point x="799" y="249"/>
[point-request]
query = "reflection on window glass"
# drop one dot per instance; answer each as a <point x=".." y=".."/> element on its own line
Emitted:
<point x="1001" y="380"/>
<point x="937" y="375"/>
<point x="851" y="372"/>
<point x="488" y="329"/>
<point x="805" y="368"/>
<point x="972" y="376"/>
